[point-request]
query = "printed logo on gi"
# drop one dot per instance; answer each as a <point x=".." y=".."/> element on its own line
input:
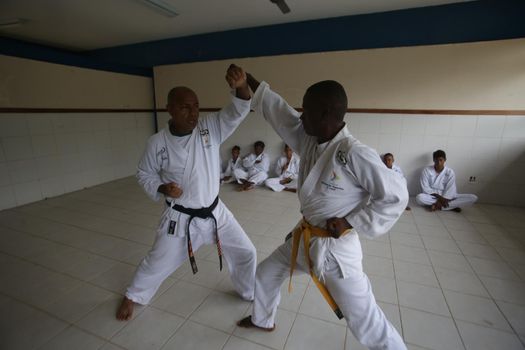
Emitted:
<point x="162" y="154"/>
<point x="205" y="134"/>
<point x="332" y="185"/>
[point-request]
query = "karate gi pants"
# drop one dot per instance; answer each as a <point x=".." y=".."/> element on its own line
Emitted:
<point x="256" y="177"/>
<point x="274" y="184"/>
<point x="169" y="252"/>
<point x="352" y="294"/>
<point x="461" y="200"/>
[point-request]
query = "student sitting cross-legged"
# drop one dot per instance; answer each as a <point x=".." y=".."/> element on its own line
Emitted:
<point x="439" y="187"/>
<point x="287" y="168"/>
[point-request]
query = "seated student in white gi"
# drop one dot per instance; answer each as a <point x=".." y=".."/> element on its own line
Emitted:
<point x="438" y="183"/>
<point x="234" y="163"/>
<point x="345" y="191"/>
<point x="257" y="165"/>
<point x="388" y="160"/>
<point x="287" y="168"/>
<point x="181" y="165"/>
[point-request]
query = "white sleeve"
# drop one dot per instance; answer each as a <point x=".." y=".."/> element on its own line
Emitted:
<point x="228" y="170"/>
<point x="424" y="182"/>
<point x="283" y="118"/>
<point x="265" y="163"/>
<point x="228" y="119"/>
<point x="148" y="172"/>
<point x="295" y="173"/>
<point x="388" y="194"/>
<point x="450" y="192"/>
<point x="248" y="161"/>
<point x="279" y="166"/>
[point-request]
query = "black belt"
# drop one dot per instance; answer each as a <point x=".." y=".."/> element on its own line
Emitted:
<point x="202" y="213"/>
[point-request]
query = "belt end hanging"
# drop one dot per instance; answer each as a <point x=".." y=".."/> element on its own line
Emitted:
<point x="338" y="313"/>
<point x="193" y="265"/>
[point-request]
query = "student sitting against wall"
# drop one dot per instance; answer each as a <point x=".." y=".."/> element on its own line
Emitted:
<point x="439" y="187"/>
<point x="287" y="168"/>
<point x="388" y="160"/>
<point x="256" y="166"/>
<point x="234" y="163"/>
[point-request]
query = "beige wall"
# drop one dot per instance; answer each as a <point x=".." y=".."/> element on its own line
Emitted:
<point x="27" y="83"/>
<point x="472" y="76"/>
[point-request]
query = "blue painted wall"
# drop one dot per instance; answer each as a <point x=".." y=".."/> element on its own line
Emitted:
<point x="455" y="23"/>
<point x="17" y="48"/>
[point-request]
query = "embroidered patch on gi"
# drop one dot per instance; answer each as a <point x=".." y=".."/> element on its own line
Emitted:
<point x="333" y="183"/>
<point x="205" y="134"/>
<point x="162" y="155"/>
<point x="341" y="157"/>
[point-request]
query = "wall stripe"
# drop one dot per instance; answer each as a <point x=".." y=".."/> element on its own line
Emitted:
<point x="215" y="109"/>
<point x="18" y="48"/>
<point x="471" y="21"/>
<point x="453" y="23"/>
<point x="73" y="110"/>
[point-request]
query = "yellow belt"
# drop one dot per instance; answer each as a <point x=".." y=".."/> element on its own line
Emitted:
<point x="307" y="230"/>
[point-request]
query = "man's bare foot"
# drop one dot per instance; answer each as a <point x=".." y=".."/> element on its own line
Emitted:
<point x="247" y="323"/>
<point x="457" y="210"/>
<point x="249" y="187"/>
<point x="125" y="310"/>
<point x="433" y="207"/>
<point x="290" y="190"/>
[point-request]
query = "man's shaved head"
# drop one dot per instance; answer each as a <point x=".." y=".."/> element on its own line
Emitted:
<point x="183" y="106"/>
<point x="177" y="92"/>
<point x="331" y="96"/>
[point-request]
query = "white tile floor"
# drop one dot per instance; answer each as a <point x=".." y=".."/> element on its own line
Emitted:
<point x="445" y="280"/>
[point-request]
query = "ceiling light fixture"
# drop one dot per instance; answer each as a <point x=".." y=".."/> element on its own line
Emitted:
<point x="161" y="6"/>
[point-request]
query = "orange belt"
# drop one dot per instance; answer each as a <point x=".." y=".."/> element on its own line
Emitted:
<point x="307" y="230"/>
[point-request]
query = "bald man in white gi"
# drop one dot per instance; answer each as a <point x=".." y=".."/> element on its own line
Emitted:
<point x="344" y="191"/>
<point x="181" y="165"/>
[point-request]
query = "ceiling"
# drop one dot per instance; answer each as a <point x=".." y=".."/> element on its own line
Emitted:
<point x="81" y="25"/>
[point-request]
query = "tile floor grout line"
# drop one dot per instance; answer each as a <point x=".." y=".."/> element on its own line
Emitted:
<point x="65" y="245"/>
<point x="446" y="302"/>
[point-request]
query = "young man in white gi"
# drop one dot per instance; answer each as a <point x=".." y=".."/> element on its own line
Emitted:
<point x="234" y="163"/>
<point x="181" y="165"/>
<point x="438" y="183"/>
<point x="388" y="160"/>
<point x="344" y="190"/>
<point x="287" y="168"/>
<point x="257" y="165"/>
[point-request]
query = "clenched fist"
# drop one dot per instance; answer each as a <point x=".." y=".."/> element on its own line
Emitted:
<point x="171" y="190"/>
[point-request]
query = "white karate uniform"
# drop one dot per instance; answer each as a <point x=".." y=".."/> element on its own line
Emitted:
<point x="339" y="178"/>
<point x="291" y="172"/>
<point x="230" y="170"/>
<point x="193" y="163"/>
<point x="397" y="170"/>
<point x="444" y="184"/>
<point x="255" y="172"/>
